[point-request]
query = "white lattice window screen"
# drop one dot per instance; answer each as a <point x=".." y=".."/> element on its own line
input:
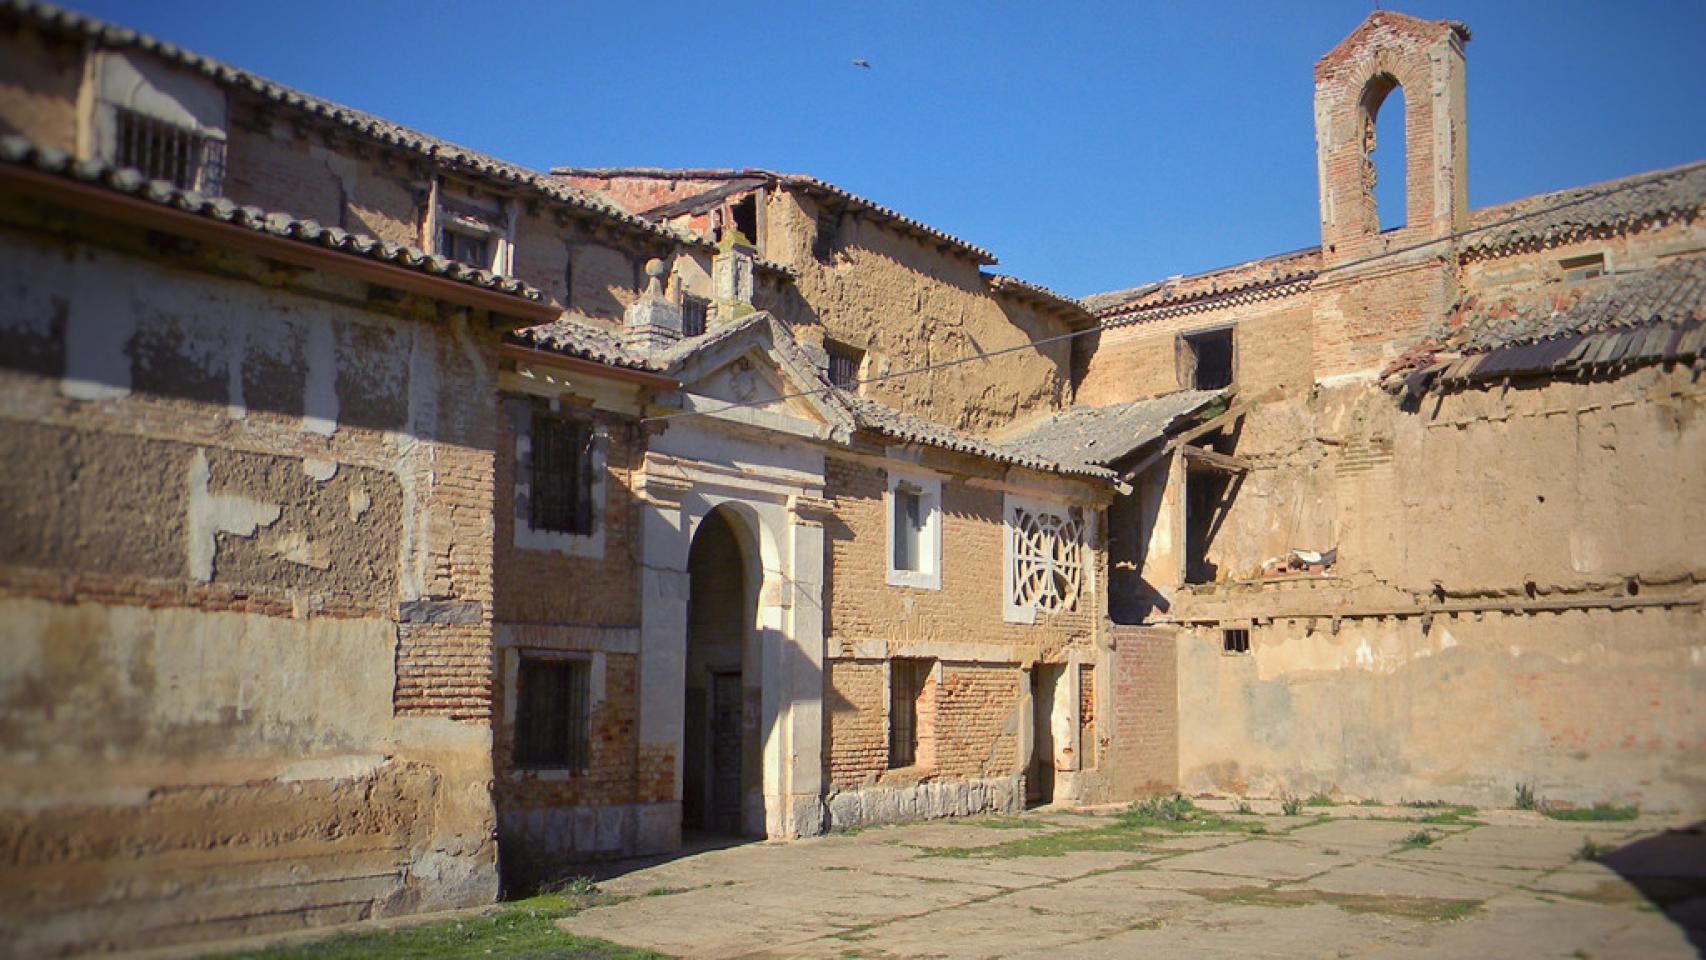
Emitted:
<point x="1047" y="552"/>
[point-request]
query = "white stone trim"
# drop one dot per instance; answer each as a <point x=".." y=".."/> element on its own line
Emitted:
<point x="929" y="487"/>
<point x="588" y="545"/>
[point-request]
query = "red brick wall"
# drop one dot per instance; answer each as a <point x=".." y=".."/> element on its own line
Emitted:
<point x="1142" y="755"/>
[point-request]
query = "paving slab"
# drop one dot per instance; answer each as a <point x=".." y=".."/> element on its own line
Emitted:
<point x="1334" y="889"/>
<point x="1259" y="859"/>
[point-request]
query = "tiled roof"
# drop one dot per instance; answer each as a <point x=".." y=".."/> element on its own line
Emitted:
<point x="1611" y="204"/>
<point x="1278" y="275"/>
<point x="19" y="152"/>
<point x="448" y="155"/>
<point x="809" y="184"/>
<point x="1604" y="327"/>
<point x="890" y="422"/>
<point x="576" y="339"/>
<point x="1039" y="295"/>
<point x="1102" y="435"/>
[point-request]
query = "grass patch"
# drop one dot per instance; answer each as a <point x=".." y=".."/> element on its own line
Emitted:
<point x="1597" y="812"/>
<point x="1414" y="908"/>
<point x="1004" y="823"/>
<point x="1320" y="799"/>
<point x="1591" y="850"/>
<point x="665" y="891"/>
<point x="1129" y="831"/>
<point x="524" y="929"/>
<point x="1456" y="814"/>
<point x="1417" y="840"/>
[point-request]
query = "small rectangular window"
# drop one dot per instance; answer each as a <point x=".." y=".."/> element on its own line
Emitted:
<point x="560" y="497"/>
<point x="469" y="248"/>
<point x="166" y="151"/>
<point x="1206" y="359"/>
<point x="695" y="311"/>
<point x="907" y="680"/>
<point x="1577" y="269"/>
<point x="553" y="713"/>
<point x="908" y="527"/>
<point x="825" y="241"/>
<point x="1235" y="640"/>
<point x="844" y="363"/>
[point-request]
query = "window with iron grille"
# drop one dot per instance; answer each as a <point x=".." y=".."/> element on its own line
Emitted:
<point x="553" y="711"/>
<point x="694" y="313"/>
<point x="1235" y="640"/>
<point x="165" y="151"/>
<point x="906" y="686"/>
<point x="560" y="496"/>
<point x="844" y="363"/>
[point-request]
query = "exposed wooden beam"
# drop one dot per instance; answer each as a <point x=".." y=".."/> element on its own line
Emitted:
<point x="1214" y="460"/>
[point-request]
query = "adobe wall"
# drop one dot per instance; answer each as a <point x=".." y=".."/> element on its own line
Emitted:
<point x="974" y="757"/>
<point x="242" y="594"/>
<point x="1516" y="598"/>
<point x="909" y="304"/>
<point x="39" y="80"/>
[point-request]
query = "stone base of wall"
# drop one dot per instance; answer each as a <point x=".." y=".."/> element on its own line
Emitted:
<point x="540" y="844"/>
<point x="869" y="806"/>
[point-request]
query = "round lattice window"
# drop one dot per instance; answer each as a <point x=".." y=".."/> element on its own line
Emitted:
<point x="1048" y="567"/>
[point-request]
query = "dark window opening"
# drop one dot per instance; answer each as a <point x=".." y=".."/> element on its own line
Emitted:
<point x="1577" y="269"/>
<point x="745" y="215"/>
<point x="824" y="244"/>
<point x="165" y="151"/>
<point x="568" y="277"/>
<point x="1208" y="359"/>
<point x="695" y="313"/>
<point x="1204" y="492"/>
<point x="474" y="250"/>
<point x="908" y="523"/>
<point x="844" y="363"/>
<point x="906" y="685"/>
<point x="553" y="713"/>
<point x="562" y="480"/>
<point x="1235" y="640"/>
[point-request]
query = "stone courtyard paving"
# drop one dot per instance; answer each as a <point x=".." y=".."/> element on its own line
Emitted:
<point x="1340" y="881"/>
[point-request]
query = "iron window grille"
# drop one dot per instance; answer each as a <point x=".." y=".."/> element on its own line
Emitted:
<point x="1235" y="640"/>
<point x="553" y="710"/>
<point x="560" y="498"/>
<point x="695" y="312"/>
<point x="906" y="685"/>
<point x="844" y="363"/>
<point x="165" y="151"/>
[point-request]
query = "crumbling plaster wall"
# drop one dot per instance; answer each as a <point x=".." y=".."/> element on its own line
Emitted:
<point x="243" y="591"/>
<point x="39" y="80"/>
<point x="1517" y="560"/>
<point x="909" y="304"/>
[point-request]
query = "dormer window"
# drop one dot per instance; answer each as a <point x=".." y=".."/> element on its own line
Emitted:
<point x="474" y="227"/>
<point x="467" y="237"/>
<point x="166" y="123"/>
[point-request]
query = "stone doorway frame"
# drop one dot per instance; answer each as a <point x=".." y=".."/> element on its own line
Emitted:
<point x="778" y="515"/>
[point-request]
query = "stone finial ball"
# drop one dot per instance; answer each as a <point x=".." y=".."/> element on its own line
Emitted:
<point x="654" y="268"/>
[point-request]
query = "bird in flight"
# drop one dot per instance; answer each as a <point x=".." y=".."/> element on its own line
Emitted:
<point x="862" y="62"/>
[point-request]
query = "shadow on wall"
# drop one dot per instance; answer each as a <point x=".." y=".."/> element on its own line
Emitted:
<point x="1670" y="871"/>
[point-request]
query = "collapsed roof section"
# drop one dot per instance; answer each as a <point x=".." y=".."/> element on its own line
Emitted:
<point x="1602" y="328"/>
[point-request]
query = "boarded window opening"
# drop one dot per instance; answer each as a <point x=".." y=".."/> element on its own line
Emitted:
<point x="1208" y="359"/>
<point x="553" y="713"/>
<point x="1235" y="640"/>
<point x="907" y="682"/>
<point x="825" y="242"/>
<point x="560" y="497"/>
<point x="1577" y="269"/>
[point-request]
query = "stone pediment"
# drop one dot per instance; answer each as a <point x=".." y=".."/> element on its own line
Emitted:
<point x="755" y="368"/>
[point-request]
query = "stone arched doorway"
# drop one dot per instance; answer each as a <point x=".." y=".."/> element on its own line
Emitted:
<point x="722" y="768"/>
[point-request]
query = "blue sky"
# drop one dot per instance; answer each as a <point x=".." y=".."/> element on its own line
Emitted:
<point x="1089" y="146"/>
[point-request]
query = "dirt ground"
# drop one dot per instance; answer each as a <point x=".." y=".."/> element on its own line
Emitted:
<point x="1330" y="881"/>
